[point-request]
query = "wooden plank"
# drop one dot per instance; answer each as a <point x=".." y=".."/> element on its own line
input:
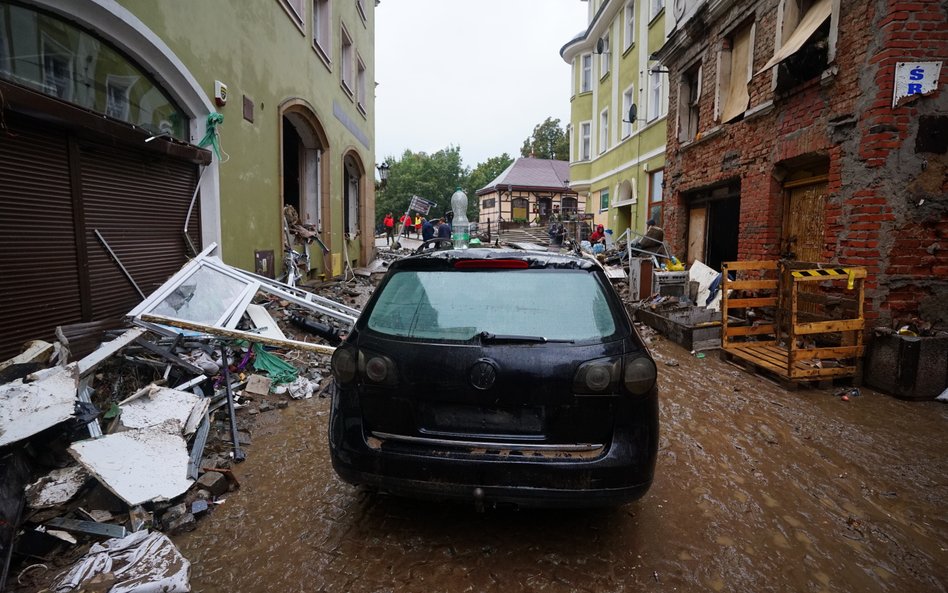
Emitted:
<point x="811" y="373"/>
<point x="752" y="284"/>
<point x="108" y="349"/>
<point x="236" y="334"/>
<point x="764" y="264"/>
<point x="841" y="352"/>
<point x="820" y="327"/>
<point x="750" y="356"/>
<point x="752" y="302"/>
<point x="750" y="330"/>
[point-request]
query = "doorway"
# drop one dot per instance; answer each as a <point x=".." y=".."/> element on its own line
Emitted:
<point x="714" y="217"/>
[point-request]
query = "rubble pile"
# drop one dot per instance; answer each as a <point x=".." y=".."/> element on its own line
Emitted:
<point x="101" y="456"/>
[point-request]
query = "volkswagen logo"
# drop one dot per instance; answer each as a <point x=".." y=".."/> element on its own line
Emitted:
<point x="483" y="374"/>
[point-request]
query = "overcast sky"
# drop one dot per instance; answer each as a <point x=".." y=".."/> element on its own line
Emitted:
<point x="478" y="74"/>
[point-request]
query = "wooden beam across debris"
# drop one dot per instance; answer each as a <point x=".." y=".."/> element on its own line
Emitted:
<point x="236" y="334"/>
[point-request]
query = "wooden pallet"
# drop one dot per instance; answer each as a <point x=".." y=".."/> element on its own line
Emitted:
<point x="773" y="361"/>
<point x="811" y="325"/>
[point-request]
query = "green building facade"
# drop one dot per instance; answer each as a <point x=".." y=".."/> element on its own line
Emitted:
<point x="619" y="103"/>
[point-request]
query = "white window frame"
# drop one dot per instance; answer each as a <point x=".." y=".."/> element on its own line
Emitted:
<point x="655" y="7"/>
<point x="628" y="98"/>
<point x="322" y="29"/>
<point x="585" y="140"/>
<point x="605" y="58"/>
<point x="585" y="76"/>
<point x="298" y="16"/>
<point x="360" y="85"/>
<point x="604" y="130"/>
<point x="346" y="59"/>
<point x="656" y="95"/>
<point x="628" y="20"/>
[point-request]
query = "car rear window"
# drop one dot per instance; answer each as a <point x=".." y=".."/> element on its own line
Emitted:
<point x="452" y="305"/>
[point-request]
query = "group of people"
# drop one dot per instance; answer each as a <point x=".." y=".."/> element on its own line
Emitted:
<point x="424" y="229"/>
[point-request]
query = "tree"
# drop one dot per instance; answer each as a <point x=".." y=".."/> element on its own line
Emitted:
<point x="433" y="177"/>
<point x="549" y="141"/>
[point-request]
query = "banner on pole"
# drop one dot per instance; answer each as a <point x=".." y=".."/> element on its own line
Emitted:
<point x="420" y="205"/>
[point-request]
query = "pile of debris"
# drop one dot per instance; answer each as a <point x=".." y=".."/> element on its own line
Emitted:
<point x="101" y="456"/>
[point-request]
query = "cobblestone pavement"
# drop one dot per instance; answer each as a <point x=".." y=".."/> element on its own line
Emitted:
<point x="757" y="489"/>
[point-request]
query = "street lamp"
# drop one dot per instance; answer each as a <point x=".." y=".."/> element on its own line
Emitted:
<point x="383" y="171"/>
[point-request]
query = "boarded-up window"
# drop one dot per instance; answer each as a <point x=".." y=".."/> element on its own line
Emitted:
<point x="736" y="61"/>
<point x="805" y="41"/>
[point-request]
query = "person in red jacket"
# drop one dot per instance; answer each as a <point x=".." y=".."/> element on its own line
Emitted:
<point x="389" y="223"/>
<point x="598" y="236"/>
<point x="406" y="224"/>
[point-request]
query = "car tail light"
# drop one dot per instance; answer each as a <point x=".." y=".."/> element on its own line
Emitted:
<point x="376" y="368"/>
<point x="343" y="364"/>
<point x="348" y="363"/>
<point x="597" y="377"/>
<point x="639" y="375"/>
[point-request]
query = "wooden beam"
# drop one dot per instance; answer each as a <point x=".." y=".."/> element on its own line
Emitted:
<point x="820" y="327"/>
<point x="752" y="284"/>
<point x="752" y="302"/>
<point x="236" y="334"/>
<point x="750" y="265"/>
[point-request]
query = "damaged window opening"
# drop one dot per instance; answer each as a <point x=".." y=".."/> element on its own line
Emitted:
<point x="689" y="96"/>
<point x="804" y="42"/>
<point x="735" y="67"/>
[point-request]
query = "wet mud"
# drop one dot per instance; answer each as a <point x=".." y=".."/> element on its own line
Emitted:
<point x="757" y="489"/>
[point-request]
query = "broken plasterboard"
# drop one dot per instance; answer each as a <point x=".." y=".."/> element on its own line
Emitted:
<point x="160" y="405"/>
<point x="139" y="466"/>
<point x="46" y="399"/>
<point x="57" y="487"/>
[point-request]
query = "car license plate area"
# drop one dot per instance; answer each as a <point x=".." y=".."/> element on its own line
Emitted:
<point x="525" y="422"/>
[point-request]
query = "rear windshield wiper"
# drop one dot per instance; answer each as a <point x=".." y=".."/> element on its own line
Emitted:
<point x="489" y="338"/>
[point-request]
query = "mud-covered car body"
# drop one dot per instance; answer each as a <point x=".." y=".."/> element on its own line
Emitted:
<point x="496" y="376"/>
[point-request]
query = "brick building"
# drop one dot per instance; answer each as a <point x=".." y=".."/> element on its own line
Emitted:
<point x="787" y="138"/>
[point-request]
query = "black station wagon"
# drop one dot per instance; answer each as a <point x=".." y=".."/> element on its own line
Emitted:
<point x="496" y="376"/>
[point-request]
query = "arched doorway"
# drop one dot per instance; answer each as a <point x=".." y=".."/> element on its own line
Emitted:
<point x="304" y="183"/>
<point x="355" y="209"/>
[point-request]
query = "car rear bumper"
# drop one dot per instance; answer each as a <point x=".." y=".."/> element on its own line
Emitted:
<point x="622" y="471"/>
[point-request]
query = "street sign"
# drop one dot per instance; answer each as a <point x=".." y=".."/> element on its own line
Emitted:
<point x="421" y="205"/>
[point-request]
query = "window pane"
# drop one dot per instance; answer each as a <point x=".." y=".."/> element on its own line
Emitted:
<point x="203" y="298"/>
<point x="57" y="59"/>
<point x="459" y="305"/>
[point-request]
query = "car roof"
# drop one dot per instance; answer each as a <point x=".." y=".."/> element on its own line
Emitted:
<point x="446" y="258"/>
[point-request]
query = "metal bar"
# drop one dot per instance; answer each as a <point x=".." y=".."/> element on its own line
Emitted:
<point x="197" y="449"/>
<point x="118" y="262"/>
<point x="85" y="396"/>
<point x="90" y="527"/>
<point x="79" y="229"/>
<point x="167" y="355"/>
<point x="239" y="455"/>
<point x="487" y="444"/>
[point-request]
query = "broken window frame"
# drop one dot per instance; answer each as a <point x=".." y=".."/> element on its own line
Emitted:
<point x="796" y="24"/>
<point x="236" y="308"/>
<point x="689" y="99"/>
<point x="732" y="96"/>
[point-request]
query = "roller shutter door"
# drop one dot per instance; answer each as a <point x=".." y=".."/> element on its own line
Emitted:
<point x="55" y="191"/>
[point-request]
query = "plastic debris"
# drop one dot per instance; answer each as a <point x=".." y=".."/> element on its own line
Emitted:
<point x="141" y="562"/>
<point x="278" y="369"/>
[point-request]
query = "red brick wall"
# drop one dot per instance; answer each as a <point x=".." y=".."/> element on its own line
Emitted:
<point x="887" y="206"/>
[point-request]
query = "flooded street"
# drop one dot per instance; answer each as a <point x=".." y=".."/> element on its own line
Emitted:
<point x="756" y="489"/>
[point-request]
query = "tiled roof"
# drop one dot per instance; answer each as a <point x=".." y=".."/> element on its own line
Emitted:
<point x="525" y="173"/>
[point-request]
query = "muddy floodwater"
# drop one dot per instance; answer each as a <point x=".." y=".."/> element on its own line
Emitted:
<point x="757" y="489"/>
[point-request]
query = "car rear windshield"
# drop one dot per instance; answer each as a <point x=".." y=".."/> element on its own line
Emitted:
<point x="567" y="305"/>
